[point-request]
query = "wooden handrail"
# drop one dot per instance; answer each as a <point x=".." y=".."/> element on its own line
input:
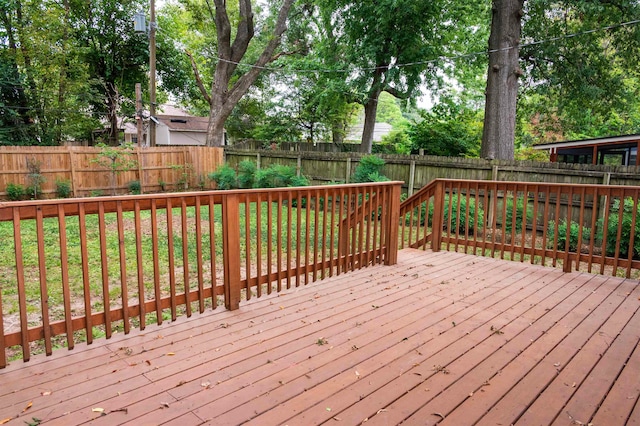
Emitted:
<point x="131" y="260"/>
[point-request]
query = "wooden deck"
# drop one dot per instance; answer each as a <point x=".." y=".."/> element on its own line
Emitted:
<point x="438" y="338"/>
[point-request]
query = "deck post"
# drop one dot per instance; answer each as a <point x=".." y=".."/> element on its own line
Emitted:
<point x="231" y="250"/>
<point x="393" y="219"/>
<point x="438" y="213"/>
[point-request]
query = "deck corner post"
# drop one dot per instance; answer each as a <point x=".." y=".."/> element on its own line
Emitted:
<point x="231" y="250"/>
<point x="393" y="218"/>
<point x="438" y="213"/>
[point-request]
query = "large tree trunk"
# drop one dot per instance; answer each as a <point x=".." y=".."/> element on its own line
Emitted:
<point x="224" y="98"/>
<point x="502" y="80"/>
<point x="370" y="112"/>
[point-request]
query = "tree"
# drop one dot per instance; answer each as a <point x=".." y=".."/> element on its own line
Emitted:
<point x="116" y="57"/>
<point x="584" y="82"/>
<point x="449" y="129"/>
<point x="229" y="84"/>
<point x="502" y="80"/>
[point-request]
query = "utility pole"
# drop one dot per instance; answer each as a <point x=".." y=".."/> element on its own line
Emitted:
<point x="139" y="113"/>
<point x="152" y="75"/>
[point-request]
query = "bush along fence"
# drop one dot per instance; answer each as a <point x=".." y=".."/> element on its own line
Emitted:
<point x="75" y="270"/>
<point x="60" y="172"/>
<point x="595" y="228"/>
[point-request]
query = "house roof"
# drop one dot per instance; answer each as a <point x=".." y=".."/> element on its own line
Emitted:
<point x="184" y="123"/>
<point x="590" y="142"/>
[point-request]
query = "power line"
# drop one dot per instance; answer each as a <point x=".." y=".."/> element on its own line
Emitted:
<point x="430" y="61"/>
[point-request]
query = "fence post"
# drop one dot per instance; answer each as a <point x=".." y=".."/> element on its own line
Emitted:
<point x="231" y="250"/>
<point x="393" y="221"/>
<point x="438" y="213"/>
<point x="72" y="163"/>
<point x="412" y="176"/>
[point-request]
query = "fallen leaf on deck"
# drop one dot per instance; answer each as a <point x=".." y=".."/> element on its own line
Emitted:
<point x="45" y="393"/>
<point x="28" y="406"/>
<point x="148" y="362"/>
<point x="205" y="385"/>
<point x="328" y="409"/>
<point x="97" y="410"/>
<point x="164" y="405"/>
<point x="4" y="421"/>
<point x="171" y="354"/>
<point x="357" y="374"/>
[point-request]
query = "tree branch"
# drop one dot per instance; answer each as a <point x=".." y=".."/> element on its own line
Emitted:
<point x="199" y="82"/>
<point x="397" y="93"/>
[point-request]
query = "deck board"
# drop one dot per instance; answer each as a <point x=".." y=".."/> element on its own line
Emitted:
<point x="440" y="338"/>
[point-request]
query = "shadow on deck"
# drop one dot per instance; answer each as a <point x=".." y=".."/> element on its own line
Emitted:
<point x="442" y="338"/>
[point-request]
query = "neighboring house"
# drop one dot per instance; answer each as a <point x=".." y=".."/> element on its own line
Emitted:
<point x="615" y="150"/>
<point x="181" y="130"/>
<point x="355" y="133"/>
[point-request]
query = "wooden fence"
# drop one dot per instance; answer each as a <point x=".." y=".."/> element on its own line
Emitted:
<point x="75" y="269"/>
<point x="157" y="169"/>
<point x="418" y="170"/>
<point x="545" y="223"/>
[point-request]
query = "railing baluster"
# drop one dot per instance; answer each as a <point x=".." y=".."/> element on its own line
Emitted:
<point x="212" y="250"/>
<point x="279" y="241"/>
<point x="140" y="265"/>
<point x="325" y="212"/>
<point x="556" y="223"/>
<point x="525" y="206"/>
<point x="22" y="294"/>
<point x="307" y="230"/>
<point x="199" y="254"/>
<point x="64" y="269"/>
<point x="580" y="226"/>
<point x="299" y="244"/>
<point x="289" y="236"/>
<point x="172" y="262"/>
<point x="534" y="223"/>
<point x="594" y="218"/>
<point x="124" y="288"/>
<point x="156" y="261"/>
<point x="270" y="242"/>
<point x="633" y="235"/>
<point x="316" y="233"/>
<point x="185" y="255"/>
<point x="247" y="247"/>
<point x="605" y="228"/>
<point x="259" y="246"/>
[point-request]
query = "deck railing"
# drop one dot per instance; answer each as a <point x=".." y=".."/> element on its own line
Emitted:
<point x="74" y="270"/>
<point x="594" y="228"/>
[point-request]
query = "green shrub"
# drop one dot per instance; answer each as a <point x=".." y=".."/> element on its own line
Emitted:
<point x="247" y="174"/>
<point x="63" y="188"/>
<point x="574" y="233"/>
<point x="625" y="236"/>
<point x="135" y="187"/>
<point x="465" y="211"/>
<point x="15" y="192"/>
<point x="508" y="224"/>
<point x="274" y="176"/>
<point x="224" y="177"/>
<point x="278" y="176"/>
<point x="96" y="193"/>
<point x="369" y="169"/>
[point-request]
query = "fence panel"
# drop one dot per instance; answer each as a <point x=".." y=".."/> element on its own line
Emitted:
<point x="157" y="169"/>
